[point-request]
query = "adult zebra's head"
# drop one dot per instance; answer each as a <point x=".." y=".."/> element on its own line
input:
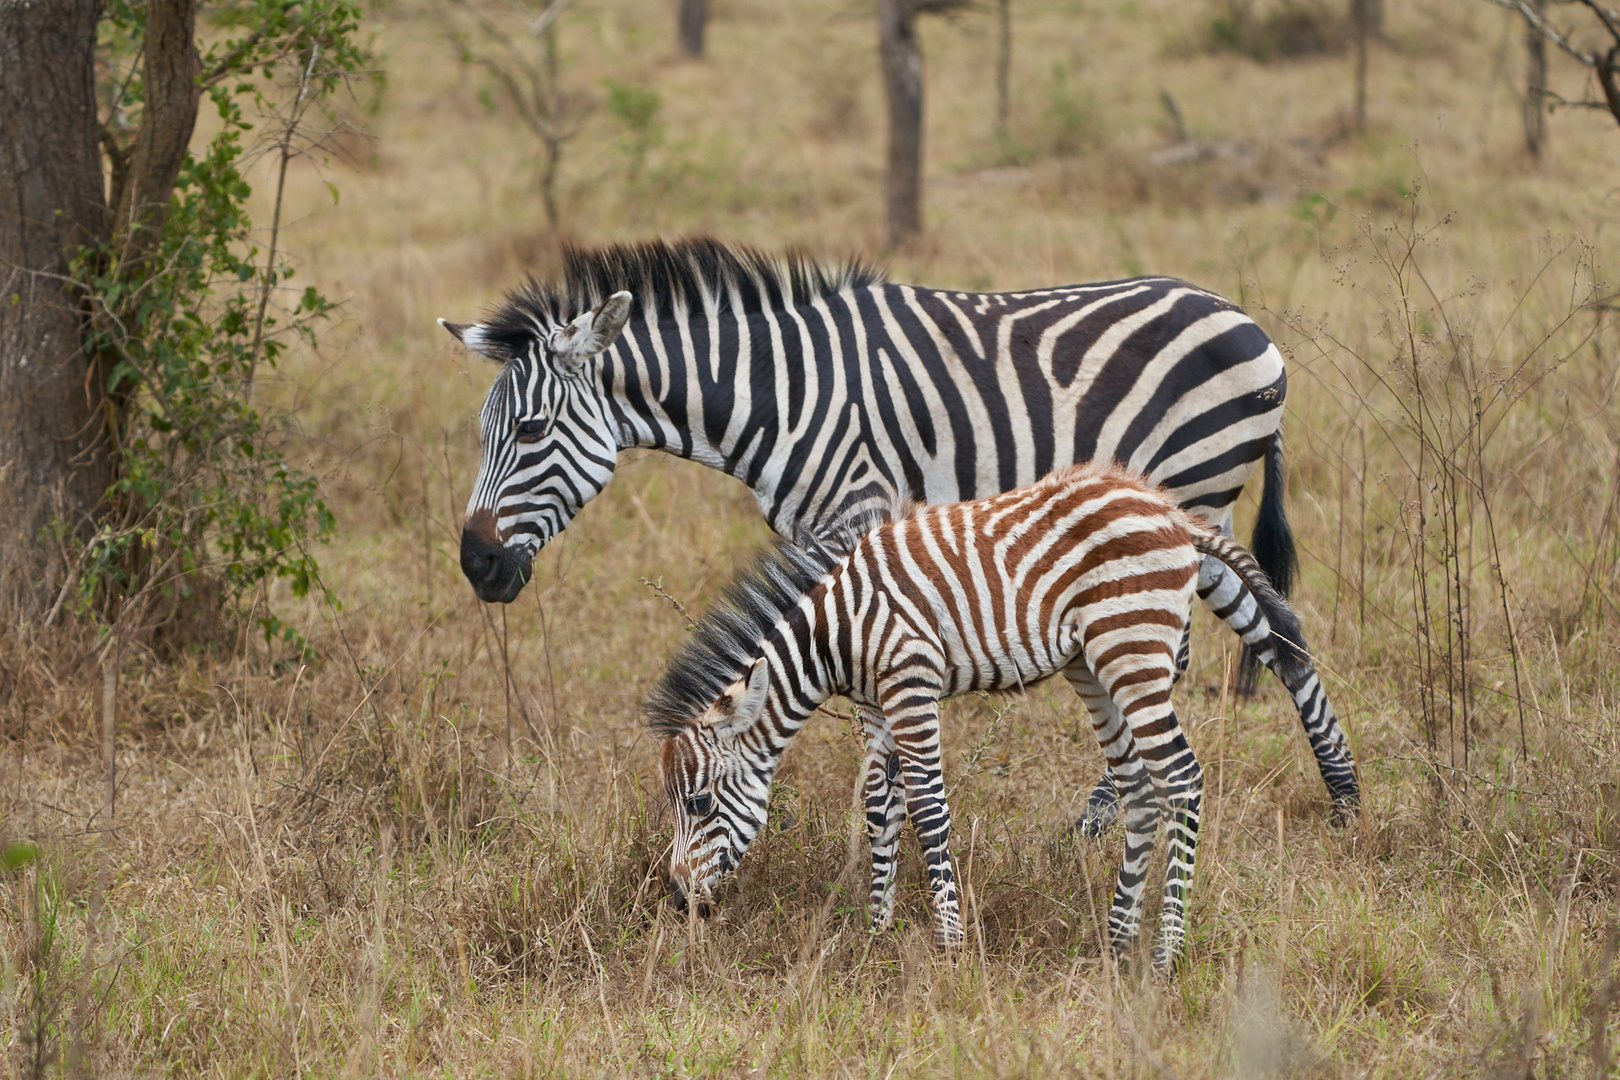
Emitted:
<point x="549" y="443"/>
<point x="717" y="775"/>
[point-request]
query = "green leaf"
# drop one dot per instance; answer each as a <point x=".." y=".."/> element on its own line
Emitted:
<point x="334" y="190"/>
<point x="17" y="854"/>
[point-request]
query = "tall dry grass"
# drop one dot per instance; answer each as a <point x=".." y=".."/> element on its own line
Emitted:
<point x="438" y="848"/>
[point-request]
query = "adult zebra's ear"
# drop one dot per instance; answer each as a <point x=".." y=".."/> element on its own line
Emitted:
<point x="591" y="332"/>
<point x="476" y="338"/>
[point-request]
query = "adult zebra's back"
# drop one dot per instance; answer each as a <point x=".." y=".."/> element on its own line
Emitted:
<point x="831" y="391"/>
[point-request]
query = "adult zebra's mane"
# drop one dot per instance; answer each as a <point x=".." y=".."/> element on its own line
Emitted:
<point x="694" y="274"/>
<point x="726" y="641"/>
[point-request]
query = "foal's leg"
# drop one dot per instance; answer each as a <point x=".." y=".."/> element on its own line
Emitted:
<point x="1141" y="810"/>
<point x="1103" y="806"/>
<point x="884" y="796"/>
<point x="1139" y="687"/>
<point x="910" y="693"/>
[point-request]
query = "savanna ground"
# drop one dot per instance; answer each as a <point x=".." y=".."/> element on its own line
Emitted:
<point x="437" y="848"/>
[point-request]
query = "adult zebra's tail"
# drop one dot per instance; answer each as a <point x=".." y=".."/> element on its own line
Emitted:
<point x="1247" y="603"/>
<point x="1273" y="548"/>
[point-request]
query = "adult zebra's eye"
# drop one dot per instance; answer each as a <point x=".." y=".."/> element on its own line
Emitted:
<point x="531" y="430"/>
<point x="700" y="804"/>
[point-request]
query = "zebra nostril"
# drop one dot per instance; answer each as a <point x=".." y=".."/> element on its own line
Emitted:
<point x="481" y="557"/>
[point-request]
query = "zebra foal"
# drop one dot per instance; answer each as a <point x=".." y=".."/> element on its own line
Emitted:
<point x="1090" y="572"/>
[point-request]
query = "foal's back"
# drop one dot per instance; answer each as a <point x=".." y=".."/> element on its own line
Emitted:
<point x="1011" y="588"/>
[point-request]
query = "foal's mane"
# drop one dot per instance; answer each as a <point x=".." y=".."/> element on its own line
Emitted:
<point x="726" y="641"/>
<point x="695" y="274"/>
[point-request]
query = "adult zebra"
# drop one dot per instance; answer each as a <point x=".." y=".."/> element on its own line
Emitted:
<point x="831" y="392"/>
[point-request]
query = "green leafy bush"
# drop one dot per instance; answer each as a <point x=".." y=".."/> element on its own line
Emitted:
<point x="204" y="506"/>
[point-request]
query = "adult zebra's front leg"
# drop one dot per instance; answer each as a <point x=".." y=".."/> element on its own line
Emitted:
<point x="910" y="693"/>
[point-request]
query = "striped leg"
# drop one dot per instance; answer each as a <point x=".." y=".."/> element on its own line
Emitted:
<point x="885" y="814"/>
<point x="1138" y="683"/>
<point x="1103" y="806"/>
<point x="910" y="694"/>
<point x="1130" y="780"/>
<point x="1224" y="592"/>
<point x="1181" y="791"/>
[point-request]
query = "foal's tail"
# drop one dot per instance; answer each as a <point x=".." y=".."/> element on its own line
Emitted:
<point x="1259" y="614"/>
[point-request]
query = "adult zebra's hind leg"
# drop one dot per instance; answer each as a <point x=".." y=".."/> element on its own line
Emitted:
<point x="1102" y="808"/>
<point x="885" y="800"/>
<point x="1224" y="591"/>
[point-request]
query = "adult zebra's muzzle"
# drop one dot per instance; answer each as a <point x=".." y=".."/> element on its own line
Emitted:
<point x="497" y="572"/>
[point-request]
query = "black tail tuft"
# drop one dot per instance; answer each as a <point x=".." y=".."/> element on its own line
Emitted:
<point x="1273" y="548"/>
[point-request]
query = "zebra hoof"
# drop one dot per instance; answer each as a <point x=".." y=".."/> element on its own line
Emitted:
<point x="1095" y="821"/>
<point x="1344" y="812"/>
<point x="1167" y="963"/>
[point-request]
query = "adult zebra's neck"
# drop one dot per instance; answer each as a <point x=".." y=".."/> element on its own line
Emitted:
<point x="759" y="395"/>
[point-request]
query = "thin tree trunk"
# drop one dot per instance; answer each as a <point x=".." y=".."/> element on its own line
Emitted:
<point x="1535" y="91"/>
<point x="1003" y="68"/>
<point x="694" y="17"/>
<point x="902" y="79"/>
<point x="54" y="460"/>
<point x="1362" y="18"/>
<point x="548" y="179"/>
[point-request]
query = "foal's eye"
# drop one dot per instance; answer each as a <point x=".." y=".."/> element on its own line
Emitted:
<point x="700" y="804"/>
<point x="531" y="430"/>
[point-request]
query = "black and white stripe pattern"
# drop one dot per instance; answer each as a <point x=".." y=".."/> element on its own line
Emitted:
<point x="830" y="391"/>
<point x="1090" y="572"/>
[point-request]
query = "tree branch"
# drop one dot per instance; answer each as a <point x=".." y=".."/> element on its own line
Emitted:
<point x="228" y="62"/>
<point x="167" y="122"/>
<point x="1606" y="66"/>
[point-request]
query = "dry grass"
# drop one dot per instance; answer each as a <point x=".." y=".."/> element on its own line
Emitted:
<point x="438" y="850"/>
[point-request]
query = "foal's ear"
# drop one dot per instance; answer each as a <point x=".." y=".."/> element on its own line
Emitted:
<point x="591" y="332"/>
<point x="740" y="704"/>
<point x="476" y="337"/>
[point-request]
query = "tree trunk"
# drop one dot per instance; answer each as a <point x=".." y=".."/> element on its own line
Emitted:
<point x="1003" y="68"/>
<point x="1535" y="91"/>
<point x="902" y="79"/>
<point x="1362" y="18"/>
<point x="693" y="18"/>
<point x="54" y="460"/>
